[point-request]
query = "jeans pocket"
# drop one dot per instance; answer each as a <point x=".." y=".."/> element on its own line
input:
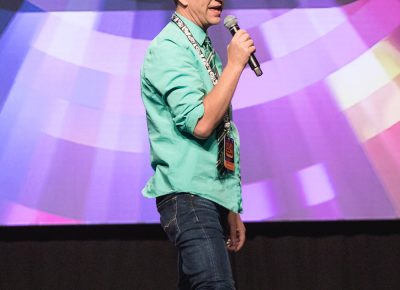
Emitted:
<point x="168" y="217"/>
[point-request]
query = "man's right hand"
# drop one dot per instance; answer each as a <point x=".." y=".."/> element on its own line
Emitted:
<point x="240" y="48"/>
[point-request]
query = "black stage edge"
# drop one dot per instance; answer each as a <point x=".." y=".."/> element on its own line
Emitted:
<point x="359" y="255"/>
<point x="154" y="231"/>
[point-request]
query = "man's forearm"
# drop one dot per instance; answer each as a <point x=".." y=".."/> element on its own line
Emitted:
<point x="216" y="103"/>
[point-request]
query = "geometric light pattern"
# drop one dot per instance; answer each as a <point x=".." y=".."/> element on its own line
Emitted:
<point x="320" y="131"/>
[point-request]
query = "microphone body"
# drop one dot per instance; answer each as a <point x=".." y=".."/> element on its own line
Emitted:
<point x="231" y="23"/>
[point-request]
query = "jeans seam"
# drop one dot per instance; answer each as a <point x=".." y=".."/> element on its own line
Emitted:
<point x="178" y="230"/>
<point x="175" y="217"/>
<point x="207" y="238"/>
<point x="164" y="202"/>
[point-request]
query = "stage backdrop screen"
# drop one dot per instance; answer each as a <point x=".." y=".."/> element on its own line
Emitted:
<point x="320" y="130"/>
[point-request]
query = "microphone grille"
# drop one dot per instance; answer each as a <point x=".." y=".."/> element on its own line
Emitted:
<point x="230" y="21"/>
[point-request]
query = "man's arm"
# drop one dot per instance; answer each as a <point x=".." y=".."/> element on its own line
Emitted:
<point x="216" y="102"/>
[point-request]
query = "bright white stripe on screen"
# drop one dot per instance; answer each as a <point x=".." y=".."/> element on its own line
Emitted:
<point x="298" y="28"/>
<point x="85" y="47"/>
<point x="376" y="113"/>
<point x="358" y="80"/>
<point x="368" y="90"/>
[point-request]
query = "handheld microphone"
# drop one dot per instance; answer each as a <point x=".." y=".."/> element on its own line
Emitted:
<point x="231" y="24"/>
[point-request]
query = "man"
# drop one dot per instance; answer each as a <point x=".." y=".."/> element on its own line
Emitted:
<point x="187" y="96"/>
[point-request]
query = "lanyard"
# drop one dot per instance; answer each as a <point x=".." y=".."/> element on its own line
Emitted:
<point x="178" y="21"/>
<point x="223" y="129"/>
<point x="214" y="78"/>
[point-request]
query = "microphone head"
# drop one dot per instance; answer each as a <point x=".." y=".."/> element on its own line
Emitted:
<point x="230" y="21"/>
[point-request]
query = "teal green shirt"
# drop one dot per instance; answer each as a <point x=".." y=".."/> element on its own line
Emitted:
<point x="174" y="82"/>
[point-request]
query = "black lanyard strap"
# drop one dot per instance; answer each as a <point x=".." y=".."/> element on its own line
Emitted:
<point x="178" y="21"/>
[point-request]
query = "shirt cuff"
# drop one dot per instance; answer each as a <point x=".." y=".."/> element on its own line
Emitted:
<point x="193" y="117"/>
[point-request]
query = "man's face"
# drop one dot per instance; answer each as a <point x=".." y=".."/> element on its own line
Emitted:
<point x="205" y="12"/>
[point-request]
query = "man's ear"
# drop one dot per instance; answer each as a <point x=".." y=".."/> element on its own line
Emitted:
<point x="183" y="3"/>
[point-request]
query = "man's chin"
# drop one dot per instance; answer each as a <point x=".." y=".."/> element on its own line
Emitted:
<point x="215" y="20"/>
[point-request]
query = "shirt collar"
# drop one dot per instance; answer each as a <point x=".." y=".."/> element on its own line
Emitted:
<point x="198" y="33"/>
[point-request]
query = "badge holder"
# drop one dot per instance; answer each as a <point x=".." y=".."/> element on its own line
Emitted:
<point x="226" y="149"/>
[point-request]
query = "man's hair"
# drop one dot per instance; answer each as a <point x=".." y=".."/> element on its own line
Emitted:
<point x="176" y="2"/>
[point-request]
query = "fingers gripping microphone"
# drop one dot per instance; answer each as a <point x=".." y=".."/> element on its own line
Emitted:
<point x="231" y="23"/>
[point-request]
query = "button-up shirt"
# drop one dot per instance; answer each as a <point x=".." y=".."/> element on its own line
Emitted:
<point x="174" y="82"/>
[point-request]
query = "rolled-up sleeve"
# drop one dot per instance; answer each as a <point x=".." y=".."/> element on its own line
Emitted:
<point x="172" y="72"/>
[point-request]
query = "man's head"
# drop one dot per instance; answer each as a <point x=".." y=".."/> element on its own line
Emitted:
<point x="202" y="12"/>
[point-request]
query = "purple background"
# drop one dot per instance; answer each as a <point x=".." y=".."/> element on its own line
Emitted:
<point x="320" y="131"/>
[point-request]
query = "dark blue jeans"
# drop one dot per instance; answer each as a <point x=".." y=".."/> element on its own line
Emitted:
<point x="197" y="228"/>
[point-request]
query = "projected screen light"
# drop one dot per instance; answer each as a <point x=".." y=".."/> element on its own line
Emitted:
<point x="320" y="131"/>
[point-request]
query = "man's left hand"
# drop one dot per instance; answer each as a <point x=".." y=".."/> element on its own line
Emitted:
<point x="237" y="232"/>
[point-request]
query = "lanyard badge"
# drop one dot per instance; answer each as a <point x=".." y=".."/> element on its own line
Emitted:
<point x="226" y="147"/>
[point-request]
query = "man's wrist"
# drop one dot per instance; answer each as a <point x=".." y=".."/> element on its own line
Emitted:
<point x="234" y="68"/>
